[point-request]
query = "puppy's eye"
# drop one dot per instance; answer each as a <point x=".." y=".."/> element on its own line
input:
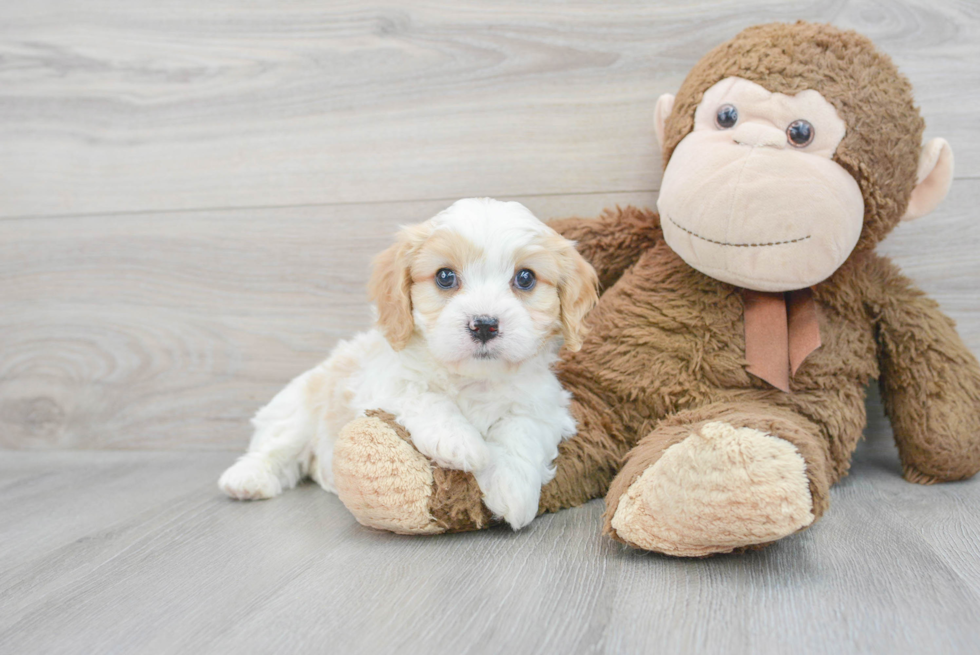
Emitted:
<point x="446" y="278"/>
<point x="726" y="117"/>
<point x="800" y="133"/>
<point x="525" y="280"/>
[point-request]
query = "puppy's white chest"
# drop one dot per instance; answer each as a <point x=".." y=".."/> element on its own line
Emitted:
<point x="483" y="403"/>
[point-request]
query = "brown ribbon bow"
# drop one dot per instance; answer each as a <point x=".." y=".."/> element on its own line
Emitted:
<point x="781" y="329"/>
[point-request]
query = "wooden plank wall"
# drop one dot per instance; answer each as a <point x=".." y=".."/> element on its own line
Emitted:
<point x="190" y="192"/>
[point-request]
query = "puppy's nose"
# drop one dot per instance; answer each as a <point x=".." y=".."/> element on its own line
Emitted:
<point x="483" y="328"/>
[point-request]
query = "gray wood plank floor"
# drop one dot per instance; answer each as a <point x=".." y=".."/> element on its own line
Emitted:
<point x="190" y="195"/>
<point x="137" y="552"/>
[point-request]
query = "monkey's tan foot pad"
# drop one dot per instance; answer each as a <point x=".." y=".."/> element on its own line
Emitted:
<point x="721" y="489"/>
<point x="389" y="485"/>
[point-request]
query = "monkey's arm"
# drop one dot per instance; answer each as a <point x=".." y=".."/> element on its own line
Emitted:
<point x="930" y="382"/>
<point x="614" y="241"/>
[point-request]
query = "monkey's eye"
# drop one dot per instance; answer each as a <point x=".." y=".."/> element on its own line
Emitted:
<point x="446" y="278"/>
<point x="726" y="117"/>
<point x="800" y="133"/>
<point x="524" y="280"/>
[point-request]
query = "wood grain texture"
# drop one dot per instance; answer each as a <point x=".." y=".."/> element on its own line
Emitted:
<point x="121" y="106"/>
<point x="139" y="552"/>
<point x="170" y="330"/>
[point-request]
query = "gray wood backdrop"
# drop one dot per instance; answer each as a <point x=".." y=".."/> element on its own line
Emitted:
<point x="190" y="192"/>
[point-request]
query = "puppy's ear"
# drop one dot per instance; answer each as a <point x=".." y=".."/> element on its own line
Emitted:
<point x="390" y="287"/>
<point x="578" y="293"/>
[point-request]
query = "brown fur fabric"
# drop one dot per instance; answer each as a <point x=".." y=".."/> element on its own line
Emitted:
<point x="665" y="353"/>
<point x="930" y="382"/>
<point x="611" y="251"/>
<point x="457" y="503"/>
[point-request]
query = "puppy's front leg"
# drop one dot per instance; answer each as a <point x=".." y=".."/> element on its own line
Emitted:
<point x="522" y="451"/>
<point x="443" y="434"/>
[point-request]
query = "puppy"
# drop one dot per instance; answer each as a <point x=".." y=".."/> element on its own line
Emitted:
<point x="472" y="307"/>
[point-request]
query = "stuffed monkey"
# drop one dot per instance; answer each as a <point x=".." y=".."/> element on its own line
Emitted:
<point x="720" y="392"/>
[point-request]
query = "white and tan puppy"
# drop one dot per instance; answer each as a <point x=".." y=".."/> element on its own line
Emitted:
<point x="472" y="308"/>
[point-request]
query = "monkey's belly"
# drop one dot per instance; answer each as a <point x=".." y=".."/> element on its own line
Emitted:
<point x="666" y="337"/>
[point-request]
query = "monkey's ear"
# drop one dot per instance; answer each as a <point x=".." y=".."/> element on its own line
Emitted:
<point x="933" y="180"/>
<point x="665" y="104"/>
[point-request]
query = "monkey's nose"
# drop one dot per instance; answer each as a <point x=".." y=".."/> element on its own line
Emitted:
<point x="483" y="328"/>
<point x="756" y="134"/>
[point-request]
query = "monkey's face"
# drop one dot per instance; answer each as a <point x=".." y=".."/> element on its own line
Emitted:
<point x="752" y="197"/>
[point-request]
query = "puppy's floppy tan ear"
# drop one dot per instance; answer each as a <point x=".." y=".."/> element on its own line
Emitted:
<point x="578" y="293"/>
<point x="390" y="287"/>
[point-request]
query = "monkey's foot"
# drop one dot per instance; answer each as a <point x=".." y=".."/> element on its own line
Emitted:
<point x="720" y="489"/>
<point x="389" y="485"/>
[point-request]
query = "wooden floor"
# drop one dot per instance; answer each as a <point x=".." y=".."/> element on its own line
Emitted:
<point x="190" y="193"/>
<point x="137" y="552"/>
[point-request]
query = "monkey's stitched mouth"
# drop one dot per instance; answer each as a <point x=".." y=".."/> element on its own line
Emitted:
<point x="735" y="245"/>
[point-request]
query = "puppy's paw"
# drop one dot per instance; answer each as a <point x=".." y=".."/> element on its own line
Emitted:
<point x="250" y="479"/>
<point x="455" y="446"/>
<point x="512" y="491"/>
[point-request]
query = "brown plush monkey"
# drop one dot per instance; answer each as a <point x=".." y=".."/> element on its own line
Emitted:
<point x="721" y="391"/>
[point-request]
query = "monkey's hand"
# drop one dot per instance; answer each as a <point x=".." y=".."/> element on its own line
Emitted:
<point x="614" y="241"/>
<point x="930" y="384"/>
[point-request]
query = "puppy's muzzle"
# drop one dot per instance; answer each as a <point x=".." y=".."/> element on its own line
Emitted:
<point x="483" y="328"/>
